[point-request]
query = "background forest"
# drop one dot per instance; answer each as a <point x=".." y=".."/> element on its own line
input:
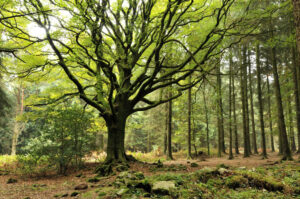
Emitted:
<point x="93" y="81"/>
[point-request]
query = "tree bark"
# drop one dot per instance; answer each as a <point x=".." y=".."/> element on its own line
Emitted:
<point x="18" y="126"/>
<point x="296" y="11"/>
<point x="236" y="139"/>
<point x="244" y="100"/>
<point x="115" y="141"/>
<point x="206" y="120"/>
<point x="260" y="102"/>
<point x="296" y="64"/>
<point x="291" y="126"/>
<point x="254" y="145"/>
<point x="221" y="141"/>
<point x="270" y="116"/>
<point x="230" y="106"/>
<point x="189" y="155"/>
<point x="281" y="121"/>
<point x="169" y="135"/>
<point x="166" y="129"/>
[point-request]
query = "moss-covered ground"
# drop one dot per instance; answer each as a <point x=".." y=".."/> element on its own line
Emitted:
<point x="192" y="179"/>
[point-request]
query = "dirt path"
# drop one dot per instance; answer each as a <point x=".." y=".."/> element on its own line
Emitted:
<point x="46" y="188"/>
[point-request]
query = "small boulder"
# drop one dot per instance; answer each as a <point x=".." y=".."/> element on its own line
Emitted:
<point x="65" y="195"/>
<point x="93" y="180"/>
<point x="122" y="191"/>
<point x="163" y="187"/>
<point x="159" y="164"/>
<point x="11" y="180"/>
<point x="222" y="171"/>
<point x="81" y="187"/>
<point x="194" y="164"/>
<point x="74" y="194"/>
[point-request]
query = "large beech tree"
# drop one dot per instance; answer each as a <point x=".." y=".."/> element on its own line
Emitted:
<point x="115" y="53"/>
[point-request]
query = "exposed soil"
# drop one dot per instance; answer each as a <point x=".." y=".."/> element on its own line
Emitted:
<point x="47" y="187"/>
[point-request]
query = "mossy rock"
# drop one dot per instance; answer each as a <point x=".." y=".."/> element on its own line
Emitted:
<point x="74" y="194"/>
<point x="104" y="170"/>
<point x="101" y="194"/>
<point x="122" y="191"/>
<point x="194" y="164"/>
<point x="139" y="184"/>
<point x="217" y="182"/>
<point x="222" y="166"/>
<point x="93" y="180"/>
<point x="11" y="180"/>
<point x="263" y="182"/>
<point x="236" y="181"/>
<point x="163" y="187"/>
<point x="205" y="174"/>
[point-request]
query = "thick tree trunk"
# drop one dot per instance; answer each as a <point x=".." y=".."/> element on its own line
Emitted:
<point x="116" y="137"/>
<point x="296" y="64"/>
<point x="281" y="121"/>
<point x="254" y="145"/>
<point x="260" y="102"/>
<point x="230" y="103"/>
<point x="270" y="116"/>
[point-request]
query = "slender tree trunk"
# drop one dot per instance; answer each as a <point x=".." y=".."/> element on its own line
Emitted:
<point x="169" y="136"/>
<point x="281" y="121"/>
<point x="166" y="129"/>
<point x="296" y="11"/>
<point x="295" y="63"/>
<point x="246" y="99"/>
<point x="260" y="102"/>
<point x="189" y="155"/>
<point x="236" y="139"/>
<point x="270" y="115"/>
<point x="230" y="103"/>
<point x="206" y="120"/>
<point x="18" y="126"/>
<point x="242" y="83"/>
<point x="221" y="142"/>
<point x="291" y="126"/>
<point x="252" y="108"/>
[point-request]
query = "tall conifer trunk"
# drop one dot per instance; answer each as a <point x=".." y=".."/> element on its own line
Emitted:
<point x="189" y="121"/>
<point x="270" y="115"/>
<point x="244" y="99"/>
<point x="230" y="103"/>
<point x="295" y="65"/>
<point x="254" y="145"/>
<point x="260" y="102"/>
<point x="281" y="121"/>
<point x="236" y="139"/>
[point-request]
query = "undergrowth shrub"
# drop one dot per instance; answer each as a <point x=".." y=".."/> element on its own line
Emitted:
<point x="64" y="140"/>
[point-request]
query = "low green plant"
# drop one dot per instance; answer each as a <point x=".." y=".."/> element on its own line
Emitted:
<point x="64" y="139"/>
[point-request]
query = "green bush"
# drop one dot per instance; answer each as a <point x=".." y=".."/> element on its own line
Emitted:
<point x="64" y="138"/>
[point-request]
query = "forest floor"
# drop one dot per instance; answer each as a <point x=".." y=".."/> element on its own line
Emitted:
<point x="198" y="178"/>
